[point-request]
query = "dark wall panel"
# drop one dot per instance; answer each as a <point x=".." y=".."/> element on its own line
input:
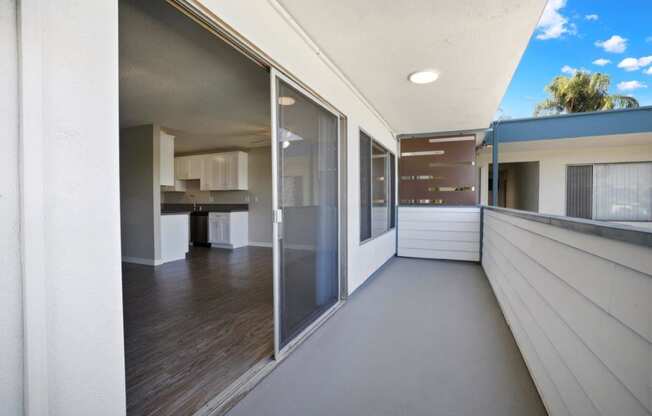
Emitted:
<point x="438" y="171"/>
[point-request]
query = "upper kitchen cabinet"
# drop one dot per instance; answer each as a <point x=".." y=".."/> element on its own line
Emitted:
<point x="189" y="167"/>
<point x="167" y="162"/>
<point x="225" y="172"/>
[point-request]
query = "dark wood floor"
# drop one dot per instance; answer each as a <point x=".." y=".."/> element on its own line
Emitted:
<point x="193" y="326"/>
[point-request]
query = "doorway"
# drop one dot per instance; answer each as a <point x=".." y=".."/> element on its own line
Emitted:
<point x="230" y="203"/>
<point x="196" y="208"/>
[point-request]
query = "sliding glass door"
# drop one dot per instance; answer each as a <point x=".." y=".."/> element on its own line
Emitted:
<point x="305" y="153"/>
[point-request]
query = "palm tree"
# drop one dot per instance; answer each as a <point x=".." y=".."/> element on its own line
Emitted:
<point x="581" y="93"/>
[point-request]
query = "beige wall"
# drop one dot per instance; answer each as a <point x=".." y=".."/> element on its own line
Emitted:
<point x="140" y="203"/>
<point x="260" y="195"/>
<point x="11" y="319"/>
<point x="552" y="167"/>
<point x="579" y="307"/>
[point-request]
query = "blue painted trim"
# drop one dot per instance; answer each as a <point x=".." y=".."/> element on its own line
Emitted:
<point x="599" y="123"/>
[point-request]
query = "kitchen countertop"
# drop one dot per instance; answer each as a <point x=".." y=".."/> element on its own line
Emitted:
<point x="167" y="209"/>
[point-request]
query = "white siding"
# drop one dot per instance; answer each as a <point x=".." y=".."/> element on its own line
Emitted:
<point x="11" y="331"/>
<point x="451" y="233"/>
<point x="579" y="307"/>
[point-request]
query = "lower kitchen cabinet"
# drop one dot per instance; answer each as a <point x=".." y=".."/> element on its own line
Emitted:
<point x="228" y="229"/>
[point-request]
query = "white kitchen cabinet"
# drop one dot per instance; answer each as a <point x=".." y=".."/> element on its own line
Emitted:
<point x="216" y="171"/>
<point x="228" y="229"/>
<point x="225" y="172"/>
<point x="167" y="162"/>
<point x="189" y="167"/>
<point x="179" y="186"/>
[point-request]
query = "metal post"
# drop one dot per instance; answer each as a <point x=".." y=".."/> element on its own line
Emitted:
<point x="494" y="153"/>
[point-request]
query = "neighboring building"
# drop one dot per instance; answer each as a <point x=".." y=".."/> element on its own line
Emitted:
<point x="592" y="165"/>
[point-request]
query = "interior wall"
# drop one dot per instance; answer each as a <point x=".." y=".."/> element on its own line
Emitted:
<point x="140" y="205"/>
<point x="11" y="317"/>
<point x="260" y="195"/>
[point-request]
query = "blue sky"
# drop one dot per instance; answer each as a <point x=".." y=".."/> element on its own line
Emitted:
<point x="608" y="36"/>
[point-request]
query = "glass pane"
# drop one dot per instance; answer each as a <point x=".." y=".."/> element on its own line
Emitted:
<point x="622" y="192"/>
<point x="392" y="191"/>
<point x="308" y="196"/>
<point x="379" y="212"/>
<point x="365" y="187"/>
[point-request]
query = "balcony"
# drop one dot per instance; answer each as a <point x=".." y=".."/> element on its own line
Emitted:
<point x="422" y="337"/>
<point x="558" y="307"/>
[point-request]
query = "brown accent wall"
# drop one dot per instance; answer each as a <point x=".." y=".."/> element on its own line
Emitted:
<point x="438" y="171"/>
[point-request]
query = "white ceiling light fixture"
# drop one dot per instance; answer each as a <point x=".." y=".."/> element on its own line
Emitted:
<point x="423" y="77"/>
<point x="283" y="100"/>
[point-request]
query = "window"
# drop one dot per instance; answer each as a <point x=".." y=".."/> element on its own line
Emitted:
<point x="377" y="188"/>
<point x="622" y="192"/>
<point x="610" y="192"/>
<point x="579" y="191"/>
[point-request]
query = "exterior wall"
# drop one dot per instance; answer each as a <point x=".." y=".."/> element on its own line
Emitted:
<point x="451" y="233"/>
<point x="11" y="320"/>
<point x="72" y="292"/>
<point x="71" y="102"/>
<point x="552" y="168"/>
<point x="140" y="193"/>
<point x="276" y="35"/>
<point x="579" y="308"/>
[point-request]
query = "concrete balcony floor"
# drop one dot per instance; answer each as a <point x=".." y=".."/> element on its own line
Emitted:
<point x="422" y="337"/>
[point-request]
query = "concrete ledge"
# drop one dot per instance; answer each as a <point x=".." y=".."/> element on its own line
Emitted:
<point x="611" y="231"/>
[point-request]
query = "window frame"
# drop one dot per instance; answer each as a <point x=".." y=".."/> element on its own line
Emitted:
<point x="390" y="186"/>
<point x="593" y="165"/>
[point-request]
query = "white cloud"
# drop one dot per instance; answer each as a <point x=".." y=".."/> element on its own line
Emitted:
<point x="630" y="85"/>
<point x="601" y="62"/>
<point x="567" y="69"/>
<point x="648" y="71"/>
<point x="633" y="64"/>
<point x="614" y="44"/>
<point x="553" y="24"/>
<point x="592" y="17"/>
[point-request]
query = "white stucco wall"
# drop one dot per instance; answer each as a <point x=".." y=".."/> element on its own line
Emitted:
<point x="72" y="102"/>
<point x="11" y="331"/>
<point x="260" y="23"/>
<point x="552" y="165"/>
<point x="74" y="355"/>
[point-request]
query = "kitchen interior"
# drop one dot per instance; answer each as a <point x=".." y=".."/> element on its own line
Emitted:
<point x="196" y="210"/>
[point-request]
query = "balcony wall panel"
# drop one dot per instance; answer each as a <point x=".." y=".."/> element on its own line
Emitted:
<point x="583" y="312"/>
<point x="451" y="233"/>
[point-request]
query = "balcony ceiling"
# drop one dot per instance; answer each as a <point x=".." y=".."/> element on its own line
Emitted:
<point x="475" y="46"/>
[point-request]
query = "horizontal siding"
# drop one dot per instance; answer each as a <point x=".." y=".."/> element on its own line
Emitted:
<point x="583" y="319"/>
<point x="451" y="233"/>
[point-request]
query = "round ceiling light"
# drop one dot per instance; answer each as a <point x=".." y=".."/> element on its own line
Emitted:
<point x="286" y="100"/>
<point x="423" y="77"/>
